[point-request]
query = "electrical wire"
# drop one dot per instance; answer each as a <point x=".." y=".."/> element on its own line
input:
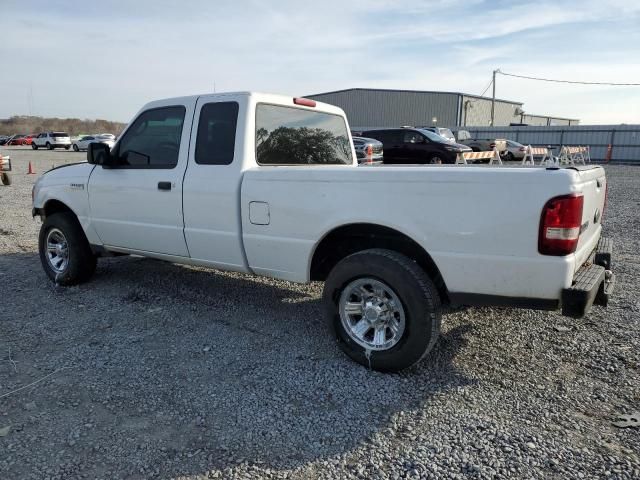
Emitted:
<point x="569" y="81"/>
<point x="488" y="86"/>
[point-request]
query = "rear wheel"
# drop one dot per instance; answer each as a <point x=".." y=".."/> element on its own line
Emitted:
<point x="49" y="146"/>
<point x="34" y="146"/>
<point x="75" y="147"/>
<point x="383" y="309"/>
<point x="509" y="157"/>
<point x="65" y="253"/>
<point x="5" y="178"/>
<point x="67" y="147"/>
<point x="436" y="159"/>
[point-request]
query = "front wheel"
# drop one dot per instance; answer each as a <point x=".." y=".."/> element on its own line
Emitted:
<point x="49" y="146"/>
<point x="67" y="147"/>
<point x="34" y="146"/>
<point x="75" y="147"/>
<point x="5" y="178"/>
<point x="436" y="160"/>
<point x="383" y="309"/>
<point x="65" y="253"/>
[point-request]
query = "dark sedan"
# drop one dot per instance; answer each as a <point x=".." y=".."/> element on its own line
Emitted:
<point x="415" y="146"/>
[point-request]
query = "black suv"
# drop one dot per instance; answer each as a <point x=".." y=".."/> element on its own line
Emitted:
<point x="415" y="146"/>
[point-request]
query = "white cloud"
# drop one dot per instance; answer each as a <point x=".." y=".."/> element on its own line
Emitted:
<point x="106" y="60"/>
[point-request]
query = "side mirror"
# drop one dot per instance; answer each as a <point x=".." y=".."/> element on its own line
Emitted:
<point x="99" y="154"/>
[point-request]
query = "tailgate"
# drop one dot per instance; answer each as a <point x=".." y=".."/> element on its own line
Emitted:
<point x="593" y="184"/>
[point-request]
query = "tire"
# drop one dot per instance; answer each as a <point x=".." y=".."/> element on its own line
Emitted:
<point x="75" y="147"/>
<point x="67" y="147"/>
<point x="49" y="146"/>
<point x="63" y="229"/>
<point x="6" y="178"/>
<point x="436" y="160"/>
<point x="419" y="305"/>
<point x="509" y="157"/>
<point x="34" y="146"/>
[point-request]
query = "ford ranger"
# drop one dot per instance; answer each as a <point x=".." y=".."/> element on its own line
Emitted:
<point x="269" y="185"/>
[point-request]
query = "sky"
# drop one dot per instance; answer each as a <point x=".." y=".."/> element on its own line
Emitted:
<point x="106" y="59"/>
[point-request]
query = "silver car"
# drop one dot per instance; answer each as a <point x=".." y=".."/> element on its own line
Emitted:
<point x="362" y="145"/>
<point x="443" y="132"/>
<point x="83" y="143"/>
<point x="514" y="151"/>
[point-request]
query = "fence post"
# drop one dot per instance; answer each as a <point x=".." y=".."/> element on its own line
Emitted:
<point x="611" y="142"/>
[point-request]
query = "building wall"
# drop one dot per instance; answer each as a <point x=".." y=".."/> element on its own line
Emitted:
<point x="478" y="112"/>
<point x="383" y="108"/>
<point x="394" y="108"/>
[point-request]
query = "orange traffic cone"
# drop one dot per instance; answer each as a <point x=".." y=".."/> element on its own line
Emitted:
<point x="31" y="171"/>
<point x="369" y="155"/>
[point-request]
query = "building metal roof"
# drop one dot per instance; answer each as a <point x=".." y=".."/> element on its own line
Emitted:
<point x="392" y="90"/>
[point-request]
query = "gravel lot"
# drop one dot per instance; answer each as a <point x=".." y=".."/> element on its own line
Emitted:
<point x="158" y="370"/>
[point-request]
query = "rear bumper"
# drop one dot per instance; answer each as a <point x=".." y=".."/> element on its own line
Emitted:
<point x="592" y="284"/>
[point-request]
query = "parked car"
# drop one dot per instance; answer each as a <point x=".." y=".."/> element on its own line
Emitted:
<point x="51" y="140"/>
<point x="83" y="143"/>
<point x="514" y="151"/>
<point x="443" y="132"/>
<point x="3" y="139"/>
<point x="415" y="146"/>
<point x="243" y="184"/>
<point x="362" y="146"/>
<point x="28" y="139"/>
<point x="482" y="144"/>
<point x="16" y="140"/>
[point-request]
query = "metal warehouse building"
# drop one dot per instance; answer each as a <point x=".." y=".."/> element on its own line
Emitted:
<point x="366" y="107"/>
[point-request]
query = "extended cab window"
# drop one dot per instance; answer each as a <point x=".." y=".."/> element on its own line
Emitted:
<point x="217" y="133"/>
<point x="153" y="141"/>
<point x="293" y="136"/>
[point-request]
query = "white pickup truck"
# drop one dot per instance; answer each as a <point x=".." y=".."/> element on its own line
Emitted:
<point x="269" y="185"/>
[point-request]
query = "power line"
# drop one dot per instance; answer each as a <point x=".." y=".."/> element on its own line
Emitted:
<point x="485" y="90"/>
<point x="569" y="81"/>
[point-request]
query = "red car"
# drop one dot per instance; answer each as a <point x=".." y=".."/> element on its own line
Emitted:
<point x="28" y="139"/>
<point x="16" y="140"/>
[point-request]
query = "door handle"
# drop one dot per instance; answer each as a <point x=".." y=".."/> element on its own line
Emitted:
<point x="164" y="185"/>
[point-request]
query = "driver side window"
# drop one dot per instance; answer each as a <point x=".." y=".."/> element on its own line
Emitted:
<point x="413" y="137"/>
<point x="153" y="141"/>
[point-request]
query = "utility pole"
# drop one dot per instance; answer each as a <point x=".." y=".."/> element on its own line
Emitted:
<point x="493" y="98"/>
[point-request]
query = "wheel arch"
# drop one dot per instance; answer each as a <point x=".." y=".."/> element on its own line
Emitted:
<point x="347" y="239"/>
<point x="52" y="206"/>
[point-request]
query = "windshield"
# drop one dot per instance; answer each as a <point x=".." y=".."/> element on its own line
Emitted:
<point x="434" y="137"/>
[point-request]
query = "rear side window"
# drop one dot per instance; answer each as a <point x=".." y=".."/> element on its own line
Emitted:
<point x="217" y="133"/>
<point x="153" y="141"/>
<point x="293" y="136"/>
<point x="59" y="134"/>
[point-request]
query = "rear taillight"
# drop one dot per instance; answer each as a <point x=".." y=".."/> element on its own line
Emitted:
<point x="560" y="225"/>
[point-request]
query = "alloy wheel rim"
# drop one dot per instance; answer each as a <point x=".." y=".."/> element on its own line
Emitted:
<point x="372" y="314"/>
<point x="57" y="250"/>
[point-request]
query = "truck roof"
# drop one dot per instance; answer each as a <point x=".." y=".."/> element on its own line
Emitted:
<point x="256" y="96"/>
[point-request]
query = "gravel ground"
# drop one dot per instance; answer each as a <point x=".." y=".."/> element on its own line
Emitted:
<point x="162" y="371"/>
